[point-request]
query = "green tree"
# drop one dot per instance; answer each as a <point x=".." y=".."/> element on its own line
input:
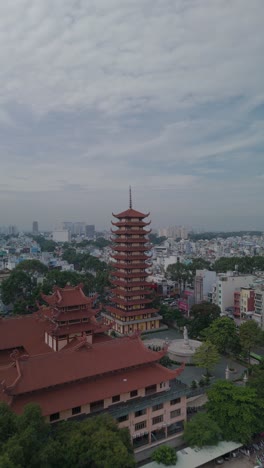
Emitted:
<point x="223" y="333"/>
<point x="29" y="442"/>
<point x="32" y="266"/>
<point x="165" y="455"/>
<point x="201" y="430"/>
<point x="180" y="273"/>
<point x="46" y="245"/>
<point x="250" y="335"/>
<point x="170" y="315"/>
<point x="235" y="409"/>
<point x="256" y="382"/>
<point x="206" y="356"/>
<point x="8" y="425"/>
<point x="156" y="240"/>
<point x="202" y="315"/>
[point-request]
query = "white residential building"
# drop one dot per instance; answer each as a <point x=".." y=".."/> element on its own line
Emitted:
<point x="61" y="235"/>
<point x="225" y="286"/>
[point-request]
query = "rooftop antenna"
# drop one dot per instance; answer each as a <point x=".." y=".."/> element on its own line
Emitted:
<point x="130" y="197"/>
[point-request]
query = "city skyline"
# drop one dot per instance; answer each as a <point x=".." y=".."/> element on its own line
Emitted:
<point x="164" y="96"/>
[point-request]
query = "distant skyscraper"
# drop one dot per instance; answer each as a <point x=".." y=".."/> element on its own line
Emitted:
<point x="35" y="229"/>
<point x="12" y="230"/>
<point x="89" y="230"/>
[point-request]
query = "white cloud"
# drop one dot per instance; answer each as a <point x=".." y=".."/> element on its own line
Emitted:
<point x="96" y="95"/>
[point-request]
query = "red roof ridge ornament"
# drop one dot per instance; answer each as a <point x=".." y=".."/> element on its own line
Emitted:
<point x="14" y="355"/>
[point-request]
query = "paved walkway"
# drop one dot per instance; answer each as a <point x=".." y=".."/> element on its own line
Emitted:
<point x="195" y="373"/>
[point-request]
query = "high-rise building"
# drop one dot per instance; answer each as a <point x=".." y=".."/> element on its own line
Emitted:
<point x="35" y="228"/>
<point x="12" y="230"/>
<point x="131" y="307"/>
<point x="90" y="230"/>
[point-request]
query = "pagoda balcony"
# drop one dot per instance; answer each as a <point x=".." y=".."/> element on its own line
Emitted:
<point x="130" y="232"/>
<point x="128" y="303"/>
<point x="130" y="223"/>
<point x="131" y="266"/>
<point x="115" y="310"/>
<point x="138" y="292"/>
<point x="130" y="284"/>
<point x="121" y="274"/>
<point x="126" y="316"/>
<point x="130" y="240"/>
<point x="119" y="248"/>
<point x="126" y="257"/>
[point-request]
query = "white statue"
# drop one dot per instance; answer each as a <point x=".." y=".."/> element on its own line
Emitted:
<point x="185" y="333"/>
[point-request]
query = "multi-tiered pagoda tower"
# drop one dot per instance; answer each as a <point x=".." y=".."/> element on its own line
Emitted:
<point x="131" y="306"/>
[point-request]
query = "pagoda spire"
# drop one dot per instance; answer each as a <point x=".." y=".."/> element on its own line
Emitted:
<point x="130" y="197"/>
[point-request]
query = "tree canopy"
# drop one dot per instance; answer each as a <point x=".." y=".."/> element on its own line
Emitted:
<point x="202" y="315"/>
<point x="26" y="441"/>
<point x="201" y="430"/>
<point x="165" y="455"/>
<point x="223" y="333"/>
<point x="235" y="408"/>
<point x="250" y="335"/>
<point x="206" y="356"/>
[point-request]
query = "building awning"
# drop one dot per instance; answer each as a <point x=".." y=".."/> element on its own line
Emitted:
<point x="195" y="457"/>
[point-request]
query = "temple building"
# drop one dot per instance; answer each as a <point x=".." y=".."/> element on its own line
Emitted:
<point x="62" y="359"/>
<point x="69" y="314"/>
<point x="131" y="306"/>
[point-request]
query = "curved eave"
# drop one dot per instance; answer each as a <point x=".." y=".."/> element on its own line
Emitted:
<point x="124" y="284"/>
<point x="130" y="214"/>
<point x="172" y="373"/>
<point x="141" y="257"/>
<point x="130" y="232"/>
<point x="119" y="274"/>
<point x="121" y="248"/>
<point x="117" y="300"/>
<point x="140" y="240"/>
<point x="130" y="313"/>
<point x="131" y="266"/>
<point x="131" y="223"/>
<point x="121" y="292"/>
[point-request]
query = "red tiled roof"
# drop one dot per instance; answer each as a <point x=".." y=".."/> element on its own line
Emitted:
<point x="25" y="331"/>
<point x="130" y="213"/>
<point x="60" y="315"/>
<point x="46" y="370"/>
<point x="81" y="393"/>
<point x="67" y="297"/>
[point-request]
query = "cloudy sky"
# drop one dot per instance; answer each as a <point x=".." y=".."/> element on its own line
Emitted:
<point x="163" y="95"/>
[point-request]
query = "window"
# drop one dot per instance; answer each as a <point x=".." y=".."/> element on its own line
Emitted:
<point x="175" y="413"/>
<point x="115" y="398"/>
<point x="140" y="413"/>
<point x="175" y="401"/>
<point x="151" y="389"/>
<point x="157" y="419"/>
<point x="54" y="417"/>
<point x="122" y="418"/>
<point x="140" y="425"/>
<point x="133" y="393"/>
<point x="76" y="410"/>
<point x="74" y="321"/>
<point x="97" y="405"/>
<point x="157" y="407"/>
